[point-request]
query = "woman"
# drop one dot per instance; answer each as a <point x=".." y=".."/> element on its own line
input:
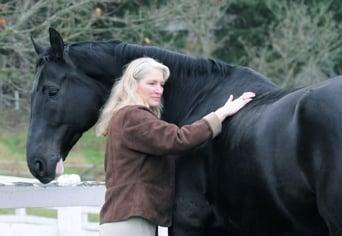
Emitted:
<point x="139" y="178"/>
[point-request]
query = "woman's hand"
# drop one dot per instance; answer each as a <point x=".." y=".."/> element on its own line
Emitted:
<point x="233" y="106"/>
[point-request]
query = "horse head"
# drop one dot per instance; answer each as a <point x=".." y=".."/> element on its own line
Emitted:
<point x="60" y="111"/>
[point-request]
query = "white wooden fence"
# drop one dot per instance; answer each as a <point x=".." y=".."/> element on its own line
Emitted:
<point x="72" y="199"/>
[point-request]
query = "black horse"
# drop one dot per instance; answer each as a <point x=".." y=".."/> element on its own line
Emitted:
<point x="276" y="168"/>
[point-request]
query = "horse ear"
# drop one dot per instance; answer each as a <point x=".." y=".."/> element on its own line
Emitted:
<point x="57" y="44"/>
<point x="37" y="48"/>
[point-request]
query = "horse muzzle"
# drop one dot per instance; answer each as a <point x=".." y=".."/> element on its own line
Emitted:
<point x="46" y="171"/>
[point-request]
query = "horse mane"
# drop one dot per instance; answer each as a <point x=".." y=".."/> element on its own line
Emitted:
<point x="92" y="48"/>
<point x="193" y="73"/>
<point x="182" y="65"/>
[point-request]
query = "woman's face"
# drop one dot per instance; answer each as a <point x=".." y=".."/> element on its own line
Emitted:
<point x="150" y="87"/>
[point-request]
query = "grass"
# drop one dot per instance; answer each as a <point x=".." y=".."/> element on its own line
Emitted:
<point x="45" y="212"/>
<point x="12" y="145"/>
<point x="92" y="217"/>
<point x="15" y="143"/>
<point x="6" y="211"/>
<point x="86" y="158"/>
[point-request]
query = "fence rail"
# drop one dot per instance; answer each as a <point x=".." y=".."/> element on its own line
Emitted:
<point x="72" y="199"/>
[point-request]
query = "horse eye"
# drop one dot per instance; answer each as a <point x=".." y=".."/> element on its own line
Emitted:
<point x="52" y="92"/>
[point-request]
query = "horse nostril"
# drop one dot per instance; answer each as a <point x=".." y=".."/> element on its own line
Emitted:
<point x="39" y="168"/>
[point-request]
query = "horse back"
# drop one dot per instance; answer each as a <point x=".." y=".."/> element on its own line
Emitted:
<point x="282" y="177"/>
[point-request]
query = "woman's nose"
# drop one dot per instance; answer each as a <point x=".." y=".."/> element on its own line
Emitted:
<point x="159" y="89"/>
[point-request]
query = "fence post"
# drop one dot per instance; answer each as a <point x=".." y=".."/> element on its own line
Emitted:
<point x="20" y="212"/>
<point x="16" y="101"/>
<point x="69" y="221"/>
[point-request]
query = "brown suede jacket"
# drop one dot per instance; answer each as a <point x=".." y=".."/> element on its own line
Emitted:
<point x="139" y="178"/>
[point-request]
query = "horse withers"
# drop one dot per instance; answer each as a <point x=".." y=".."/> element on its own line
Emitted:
<point x="276" y="168"/>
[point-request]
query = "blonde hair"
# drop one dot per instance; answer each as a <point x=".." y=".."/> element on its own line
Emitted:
<point x="124" y="91"/>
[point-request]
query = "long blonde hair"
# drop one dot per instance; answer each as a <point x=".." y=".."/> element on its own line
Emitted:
<point x="124" y="91"/>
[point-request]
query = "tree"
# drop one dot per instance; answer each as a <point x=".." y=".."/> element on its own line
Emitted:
<point x="302" y="45"/>
<point x="294" y="42"/>
<point x="201" y="20"/>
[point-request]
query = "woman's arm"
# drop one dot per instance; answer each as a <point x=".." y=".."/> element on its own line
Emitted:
<point x="143" y="131"/>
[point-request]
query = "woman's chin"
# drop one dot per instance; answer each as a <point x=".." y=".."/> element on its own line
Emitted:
<point x="154" y="104"/>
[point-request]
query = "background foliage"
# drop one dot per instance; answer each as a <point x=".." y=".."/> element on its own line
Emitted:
<point x="293" y="42"/>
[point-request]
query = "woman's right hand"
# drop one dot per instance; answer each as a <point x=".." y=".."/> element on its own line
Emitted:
<point x="233" y="106"/>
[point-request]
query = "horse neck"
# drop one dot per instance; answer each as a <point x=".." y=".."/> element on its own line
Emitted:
<point x="192" y="80"/>
<point x="196" y="85"/>
<point x="96" y="60"/>
<point x="207" y="90"/>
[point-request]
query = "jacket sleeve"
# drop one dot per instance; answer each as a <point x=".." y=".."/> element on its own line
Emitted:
<point x="142" y="131"/>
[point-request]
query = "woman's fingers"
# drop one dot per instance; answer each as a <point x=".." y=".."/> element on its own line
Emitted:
<point x="237" y="104"/>
<point x="234" y="105"/>
<point x="247" y="95"/>
<point x="230" y="98"/>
